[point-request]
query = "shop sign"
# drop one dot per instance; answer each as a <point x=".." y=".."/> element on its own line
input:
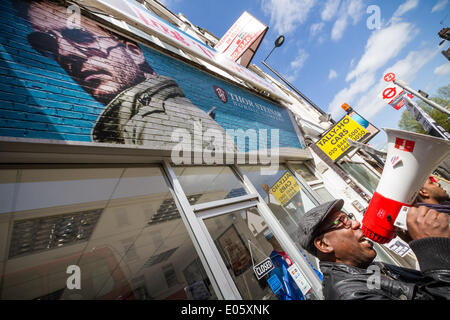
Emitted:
<point x="241" y="36"/>
<point x="285" y="189"/>
<point x="263" y="268"/>
<point x="334" y="143"/>
<point x="140" y="15"/>
<point x="299" y="279"/>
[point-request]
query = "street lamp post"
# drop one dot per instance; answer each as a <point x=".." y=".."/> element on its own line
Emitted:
<point x="278" y="43"/>
<point x="324" y="116"/>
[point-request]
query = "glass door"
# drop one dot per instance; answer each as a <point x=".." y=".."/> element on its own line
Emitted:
<point x="254" y="259"/>
<point x="249" y="252"/>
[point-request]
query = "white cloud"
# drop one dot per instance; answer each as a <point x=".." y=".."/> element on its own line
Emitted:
<point x="286" y="15"/>
<point x="440" y="5"/>
<point x="297" y="64"/>
<point x="338" y="28"/>
<point x="330" y="9"/>
<point x="442" y="70"/>
<point x="333" y="74"/>
<point x="406" y="69"/>
<point x="382" y="46"/>
<point x="350" y="9"/>
<point x="316" y="28"/>
<point x="350" y="94"/>
<point x="405" y="7"/>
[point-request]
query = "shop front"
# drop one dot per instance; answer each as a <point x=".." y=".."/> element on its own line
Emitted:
<point x="104" y="194"/>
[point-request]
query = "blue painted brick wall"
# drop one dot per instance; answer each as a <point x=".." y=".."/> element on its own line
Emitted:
<point x="38" y="99"/>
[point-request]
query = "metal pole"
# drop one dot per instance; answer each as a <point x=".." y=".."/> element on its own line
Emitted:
<point x="296" y="91"/>
<point x="269" y="53"/>
<point x="418" y="95"/>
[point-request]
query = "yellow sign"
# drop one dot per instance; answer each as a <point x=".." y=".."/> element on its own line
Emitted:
<point x="285" y="188"/>
<point x="335" y="144"/>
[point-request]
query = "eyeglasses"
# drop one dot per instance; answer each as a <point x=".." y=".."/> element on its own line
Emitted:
<point x="46" y="43"/>
<point x="344" y="221"/>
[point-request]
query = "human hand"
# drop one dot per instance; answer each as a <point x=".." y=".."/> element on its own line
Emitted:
<point x="424" y="222"/>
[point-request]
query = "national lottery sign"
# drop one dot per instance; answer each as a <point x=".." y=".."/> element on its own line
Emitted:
<point x="334" y="143"/>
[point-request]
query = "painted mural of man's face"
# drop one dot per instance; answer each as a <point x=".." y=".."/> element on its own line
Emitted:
<point x="101" y="63"/>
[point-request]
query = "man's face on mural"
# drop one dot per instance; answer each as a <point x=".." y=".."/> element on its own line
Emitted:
<point x="97" y="60"/>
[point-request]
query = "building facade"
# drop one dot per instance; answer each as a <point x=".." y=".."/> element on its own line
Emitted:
<point x="133" y="155"/>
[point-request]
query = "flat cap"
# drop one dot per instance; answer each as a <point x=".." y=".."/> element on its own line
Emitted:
<point x="311" y="221"/>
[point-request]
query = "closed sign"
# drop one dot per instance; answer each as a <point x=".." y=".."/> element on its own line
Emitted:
<point x="263" y="268"/>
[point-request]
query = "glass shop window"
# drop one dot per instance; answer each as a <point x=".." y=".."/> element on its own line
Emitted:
<point x="205" y="184"/>
<point x="285" y="198"/>
<point x="362" y="174"/>
<point x="315" y="183"/>
<point x="117" y="230"/>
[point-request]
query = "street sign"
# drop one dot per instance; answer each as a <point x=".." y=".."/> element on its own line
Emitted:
<point x="393" y="94"/>
<point x="389" y="77"/>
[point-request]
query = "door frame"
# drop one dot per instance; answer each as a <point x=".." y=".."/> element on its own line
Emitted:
<point x="209" y="253"/>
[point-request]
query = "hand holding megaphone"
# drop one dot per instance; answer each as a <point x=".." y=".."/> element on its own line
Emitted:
<point x="424" y="222"/>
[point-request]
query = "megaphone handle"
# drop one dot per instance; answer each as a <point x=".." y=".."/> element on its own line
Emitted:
<point x="401" y="218"/>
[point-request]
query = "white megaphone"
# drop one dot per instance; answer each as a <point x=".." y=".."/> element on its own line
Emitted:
<point x="410" y="159"/>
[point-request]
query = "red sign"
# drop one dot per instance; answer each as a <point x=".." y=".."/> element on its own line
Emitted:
<point x="389" y="77"/>
<point x="399" y="105"/>
<point x="241" y="36"/>
<point x="389" y="93"/>
<point x="221" y="94"/>
<point x="404" y="145"/>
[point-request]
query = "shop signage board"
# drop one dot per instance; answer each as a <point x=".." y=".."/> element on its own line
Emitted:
<point x="139" y="14"/>
<point x="334" y="142"/>
<point x="241" y="36"/>
<point x="285" y="188"/>
<point x="47" y="96"/>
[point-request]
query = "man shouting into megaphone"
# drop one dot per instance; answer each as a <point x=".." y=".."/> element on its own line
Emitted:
<point x="347" y="256"/>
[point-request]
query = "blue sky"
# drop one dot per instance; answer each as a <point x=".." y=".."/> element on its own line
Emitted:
<point x="332" y="56"/>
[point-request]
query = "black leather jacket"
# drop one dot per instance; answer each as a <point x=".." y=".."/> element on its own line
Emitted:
<point x="344" y="282"/>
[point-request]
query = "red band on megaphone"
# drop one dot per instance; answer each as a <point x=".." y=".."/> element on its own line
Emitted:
<point x="378" y="221"/>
